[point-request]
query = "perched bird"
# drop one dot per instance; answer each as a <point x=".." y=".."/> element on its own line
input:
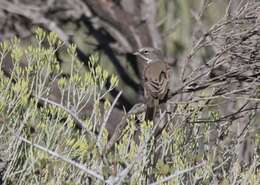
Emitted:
<point x="156" y="77"/>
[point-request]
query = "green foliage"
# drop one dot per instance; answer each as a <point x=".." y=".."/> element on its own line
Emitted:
<point x="25" y="113"/>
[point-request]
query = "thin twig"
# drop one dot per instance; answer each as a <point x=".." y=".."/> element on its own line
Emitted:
<point x="78" y="121"/>
<point x="178" y="173"/>
<point x="103" y="125"/>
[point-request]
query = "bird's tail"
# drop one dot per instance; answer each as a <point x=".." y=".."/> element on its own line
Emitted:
<point x="151" y="111"/>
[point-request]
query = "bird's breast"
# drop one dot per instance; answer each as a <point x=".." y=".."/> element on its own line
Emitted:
<point x="156" y="79"/>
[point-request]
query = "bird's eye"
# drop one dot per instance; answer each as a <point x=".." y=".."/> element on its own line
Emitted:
<point x="146" y="51"/>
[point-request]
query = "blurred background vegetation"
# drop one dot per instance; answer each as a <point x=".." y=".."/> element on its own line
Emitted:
<point x="180" y="24"/>
<point x="68" y="71"/>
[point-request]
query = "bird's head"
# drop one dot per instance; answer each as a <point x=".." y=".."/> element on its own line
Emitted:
<point x="149" y="55"/>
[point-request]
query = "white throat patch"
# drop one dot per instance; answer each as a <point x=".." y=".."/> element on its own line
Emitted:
<point x="148" y="61"/>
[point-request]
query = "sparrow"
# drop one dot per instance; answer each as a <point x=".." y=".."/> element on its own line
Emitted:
<point x="156" y="77"/>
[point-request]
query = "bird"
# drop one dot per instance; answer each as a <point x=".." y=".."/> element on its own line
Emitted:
<point x="156" y="78"/>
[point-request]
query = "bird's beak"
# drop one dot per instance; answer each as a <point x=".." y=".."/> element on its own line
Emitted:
<point x="136" y="53"/>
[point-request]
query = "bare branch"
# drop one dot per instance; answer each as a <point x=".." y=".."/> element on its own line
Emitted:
<point x="65" y="159"/>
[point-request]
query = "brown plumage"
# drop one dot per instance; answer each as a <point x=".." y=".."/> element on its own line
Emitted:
<point x="156" y="75"/>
